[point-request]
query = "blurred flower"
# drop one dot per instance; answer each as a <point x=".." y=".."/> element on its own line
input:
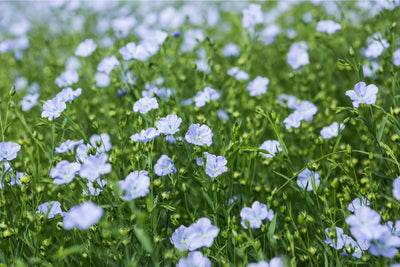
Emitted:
<point x="292" y="121"/>
<point x="94" y="191"/>
<point x="370" y="69"/>
<point x="199" y="135"/>
<point x="376" y="47"/>
<point x="107" y="64"/>
<point x="394" y="228"/>
<point x="363" y="94"/>
<point x="396" y="57"/>
<point x="64" y="172"/>
<point x="67" y="78"/>
<point x="135" y="185"/>
<point x="258" y="86"/>
<point x="67" y="146"/>
<point x="306" y="179"/>
<point x="328" y="26"/>
<point x="82" y="216"/>
<point x="102" y="79"/>
<point x="145" y="104"/>
<point x="395" y="191"/>
<point x="290" y="101"/>
<point x="215" y="166"/>
<point x="239" y="75"/>
<point x="191" y="38"/>
<point x="29" y="101"/>
<point x="207" y="95"/>
<point x="363" y="222"/>
<point x="51" y="209"/>
<point x="272" y="146"/>
<point x="231" y="50"/>
<point x="8" y="151"/>
<point x="52" y="108"/>
<point x="194" y="258"/>
<point x="332" y="130"/>
<point x="145" y="135"/>
<point x="169" y="125"/>
<point x="252" y="15"/>
<point x="86" y="48"/>
<point x="222" y="115"/>
<point x="201" y="234"/>
<point x="133" y="51"/>
<point x="101" y="142"/>
<point x="269" y="34"/>
<point x="164" y="166"/>
<point x="306" y="110"/>
<point x="68" y="95"/>
<point x="94" y="166"/>
<point x="298" y="56"/>
<point x="383" y="242"/>
<point x="255" y="215"/>
<point x="338" y="242"/>
<point x="274" y="262"/>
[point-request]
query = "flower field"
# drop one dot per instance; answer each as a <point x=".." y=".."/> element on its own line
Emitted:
<point x="200" y="133"/>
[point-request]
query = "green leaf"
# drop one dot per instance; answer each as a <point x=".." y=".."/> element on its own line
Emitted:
<point x="381" y="128"/>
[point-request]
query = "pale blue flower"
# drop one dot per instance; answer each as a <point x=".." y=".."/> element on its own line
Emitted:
<point x="274" y="262"/>
<point x="370" y="69"/>
<point x="64" y="172"/>
<point x="306" y="110"/>
<point x="363" y="94"/>
<point x="169" y="125"/>
<point x="195" y="258"/>
<point x="395" y="191"/>
<point x="339" y="241"/>
<point x="239" y="75"/>
<point x="215" y="166"/>
<point x="135" y="185"/>
<point x="328" y="26"/>
<point x="363" y="222"/>
<point x="94" y="166"/>
<point x="133" y="51"/>
<point x="357" y="203"/>
<point x="306" y="179"/>
<point x="252" y="15"/>
<point x="376" y="47"/>
<point x="231" y="50"/>
<point x="94" y="191"/>
<point x="52" y="108"/>
<point x="201" y="234"/>
<point x="82" y="216"/>
<point x="164" y="166"/>
<point x="383" y="242"/>
<point x="107" y="64"/>
<point x="145" y="104"/>
<point x="179" y="238"/>
<point x="269" y="34"/>
<point x="272" y="146"/>
<point x="86" y="48"/>
<point x="8" y="151"/>
<point x="396" y="58"/>
<point x="67" y="146"/>
<point x="68" y="95"/>
<point x="102" y="79"/>
<point x="51" y="209"/>
<point x="255" y="215"/>
<point x="199" y="135"/>
<point x="29" y="101"/>
<point x="67" y="78"/>
<point x="298" y="56"/>
<point x="393" y="227"/>
<point x="101" y="142"/>
<point x="292" y="121"/>
<point x="258" y="86"/>
<point x="145" y="135"/>
<point x="289" y="100"/>
<point x="222" y="115"/>
<point x="332" y="130"/>
<point x="207" y="95"/>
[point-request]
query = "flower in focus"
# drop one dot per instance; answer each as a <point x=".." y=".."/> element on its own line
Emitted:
<point x="145" y="135"/>
<point x="179" y="238"/>
<point x="258" y="86"/>
<point x="164" y="166"/>
<point x="363" y="94"/>
<point x="94" y="166"/>
<point x="67" y="146"/>
<point x="135" y="185"/>
<point x="82" y="216"/>
<point x="201" y="234"/>
<point x="199" y="135"/>
<point x="332" y="130"/>
<point x="169" y="125"/>
<point x="86" y="48"/>
<point x="52" y="108"/>
<point x="145" y="104"/>
<point x="272" y="146"/>
<point x="8" y="151"/>
<point x="64" y="172"/>
<point x="215" y="166"/>
<point x="255" y="215"/>
<point x="306" y="179"/>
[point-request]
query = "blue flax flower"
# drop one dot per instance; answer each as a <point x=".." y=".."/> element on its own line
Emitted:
<point x="145" y="135"/>
<point x="306" y="178"/>
<point x="50" y="209"/>
<point x="363" y="94"/>
<point x="215" y="165"/>
<point x="164" y="166"/>
<point x="135" y="185"/>
<point x="169" y="125"/>
<point x="82" y="216"/>
<point x="94" y="166"/>
<point x="195" y="258"/>
<point x="201" y="234"/>
<point x="145" y="104"/>
<point x="199" y="135"/>
<point x="67" y="146"/>
<point x="8" y="151"/>
<point x="254" y="215"/>
<point x="64" y="172"/>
